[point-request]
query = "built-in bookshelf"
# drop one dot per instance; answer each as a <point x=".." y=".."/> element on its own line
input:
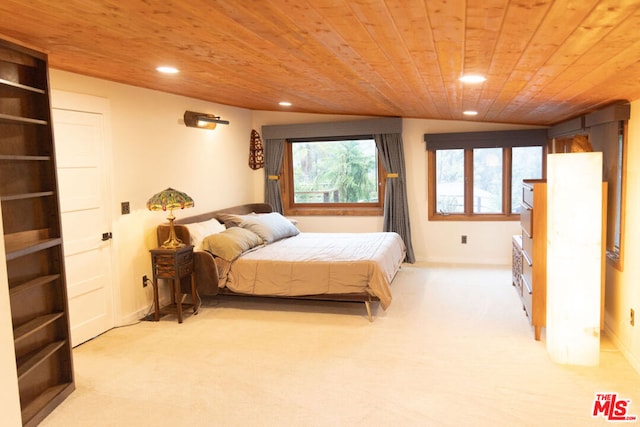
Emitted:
<point x="32" y="234"/>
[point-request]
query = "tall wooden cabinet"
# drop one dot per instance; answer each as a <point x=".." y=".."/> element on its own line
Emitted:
<point x="32" y="234"/>
<point x="533" y="219"/>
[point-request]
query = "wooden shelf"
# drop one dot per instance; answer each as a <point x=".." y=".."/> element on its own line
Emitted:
<point x="7" y="118"/>
<point x="24" y="158"/>
<point x="21" y="86"/>
<point x="23" y="331"/>
<point x="37" y="282"/>
<point x="26" y="248"/>
<point x="26" y="196"/>
<point x="37" y="358"/>
<point x="31" y="411"/>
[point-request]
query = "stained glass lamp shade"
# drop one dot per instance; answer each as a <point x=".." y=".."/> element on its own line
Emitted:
<point x="170" y="199"/>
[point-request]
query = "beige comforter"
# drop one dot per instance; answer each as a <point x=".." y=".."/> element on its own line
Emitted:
<point x="320" y="263"/>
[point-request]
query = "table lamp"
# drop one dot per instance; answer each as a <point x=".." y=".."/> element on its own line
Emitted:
<point x="170" y="199"/>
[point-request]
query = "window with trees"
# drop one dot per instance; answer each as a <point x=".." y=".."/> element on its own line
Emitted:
<point x="332" y="177"/>
<point x="478" y="175"/>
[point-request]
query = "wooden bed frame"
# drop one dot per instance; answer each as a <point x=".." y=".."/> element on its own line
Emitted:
<point x="206" y="271"/>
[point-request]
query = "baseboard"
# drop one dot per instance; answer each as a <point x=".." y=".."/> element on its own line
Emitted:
<point x="144" y="314"/>
<point x="635" y="363"/>
<point x="497" y="262"/>
<point x="136" y="316"/>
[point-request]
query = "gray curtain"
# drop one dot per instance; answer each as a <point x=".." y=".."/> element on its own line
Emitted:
<point x="273" y="153"/>
<point x="396" y="207"/>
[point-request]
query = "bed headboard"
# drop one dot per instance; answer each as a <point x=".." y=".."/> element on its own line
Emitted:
<point x="183" y="233"/>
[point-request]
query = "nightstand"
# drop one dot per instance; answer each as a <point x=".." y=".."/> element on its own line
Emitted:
<point x="173" y="265"/>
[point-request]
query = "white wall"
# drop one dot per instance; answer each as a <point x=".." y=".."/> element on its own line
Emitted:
<point x="433" y="241"/>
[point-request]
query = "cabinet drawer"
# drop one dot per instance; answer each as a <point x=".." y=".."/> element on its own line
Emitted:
<point x="527" y="247"/>
<point x="527" y="195"/>
<point x="526" y="221"/>
<point x="185" y="269"/>
<point x="185" y="257"/>
<point x="527" y="297"/>
<point x="527" y="276"/>
<point x="164" y="260"/>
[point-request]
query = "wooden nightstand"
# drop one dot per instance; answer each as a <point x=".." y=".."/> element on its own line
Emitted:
<point x="174" y="265"/>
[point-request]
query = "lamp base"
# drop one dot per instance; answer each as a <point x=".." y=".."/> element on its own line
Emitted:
<point x="172" y="242"/>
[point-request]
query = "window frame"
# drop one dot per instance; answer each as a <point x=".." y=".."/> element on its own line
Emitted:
<point x="477" y="140"/>
<point x="292" y="208"/>
<point x="614" y="253"/>
<point x="617" y="184"/>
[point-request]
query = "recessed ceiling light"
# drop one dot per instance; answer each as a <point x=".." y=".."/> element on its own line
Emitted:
<point x="167" y="70"/>
<point x="472" y="78"/>
<point x="284" y="104"/>
<point x="470" y="113"/>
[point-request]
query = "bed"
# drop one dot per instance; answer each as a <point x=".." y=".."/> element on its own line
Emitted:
<point x="248" y="250"/>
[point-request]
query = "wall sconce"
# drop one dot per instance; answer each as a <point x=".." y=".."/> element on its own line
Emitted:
<point x="202" y="120"/>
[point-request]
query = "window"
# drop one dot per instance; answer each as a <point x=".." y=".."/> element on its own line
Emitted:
<point x="332" y="176"/>
<point x="478" y="175"/>
<point x="487" y="180"/>
<point x="525" y="164"/>
<point x="610" y="138"/>
<point x="613" y="158"/>
<point x="616" y="241"/>
<point x="450" y="181"/>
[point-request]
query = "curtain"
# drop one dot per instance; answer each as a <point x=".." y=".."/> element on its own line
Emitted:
<point x="273" y="153"/>
<point x="396" y="207"/>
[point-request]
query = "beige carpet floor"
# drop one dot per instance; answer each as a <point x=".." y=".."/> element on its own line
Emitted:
<point x="454" y="349"/>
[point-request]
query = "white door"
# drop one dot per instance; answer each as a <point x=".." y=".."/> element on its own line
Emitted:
<point x="79" y="143"/>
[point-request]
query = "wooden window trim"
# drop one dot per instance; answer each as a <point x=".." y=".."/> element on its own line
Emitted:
<point x="320" y="209"/>
<point x="616" y="259"/>
<point x="468" y="141"/>
<point x="468" y="215"/>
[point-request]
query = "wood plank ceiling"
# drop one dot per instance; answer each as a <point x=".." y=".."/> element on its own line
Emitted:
<point x="545" y="61"/>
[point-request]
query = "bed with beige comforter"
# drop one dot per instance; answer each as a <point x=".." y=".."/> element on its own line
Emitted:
<point x="248" y="250"/>
<point x="320" y="263"/>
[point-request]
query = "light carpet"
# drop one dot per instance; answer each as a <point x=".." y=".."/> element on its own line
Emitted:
<point x="453" y="349"/>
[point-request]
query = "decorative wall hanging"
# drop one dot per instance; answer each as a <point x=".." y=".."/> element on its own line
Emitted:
<point x="256" y="151"/>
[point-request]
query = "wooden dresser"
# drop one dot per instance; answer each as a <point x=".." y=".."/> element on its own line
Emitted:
<point x="533" y="220"/>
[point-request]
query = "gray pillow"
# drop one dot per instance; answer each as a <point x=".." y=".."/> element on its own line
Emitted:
<point x="230" y="220"/>
<point x="271" y="227"/>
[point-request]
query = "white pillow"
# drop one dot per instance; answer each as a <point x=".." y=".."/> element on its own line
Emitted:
<point x="200" y="230"/>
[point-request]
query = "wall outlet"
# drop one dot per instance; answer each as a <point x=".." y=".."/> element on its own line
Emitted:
<point x="463" y="239"/>
<point x="124" y="208"/>
<point x="145" y="280"/>
<point x="632" y="317"/>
